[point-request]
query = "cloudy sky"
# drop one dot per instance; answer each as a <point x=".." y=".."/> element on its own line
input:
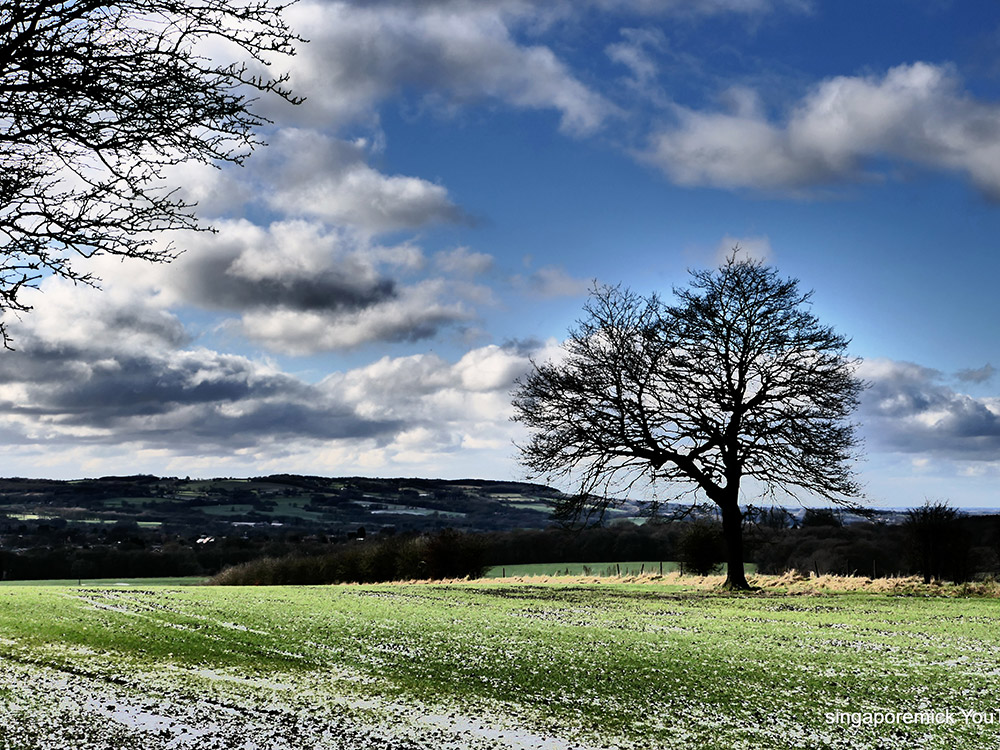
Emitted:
<point x="435" y="212"/>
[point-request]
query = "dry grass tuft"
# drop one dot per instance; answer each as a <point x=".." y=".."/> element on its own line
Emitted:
<point x="791" y="582"/>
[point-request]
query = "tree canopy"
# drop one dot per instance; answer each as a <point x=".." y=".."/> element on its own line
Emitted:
<point x="97" y="100"/>
<point x="736" y="379"/>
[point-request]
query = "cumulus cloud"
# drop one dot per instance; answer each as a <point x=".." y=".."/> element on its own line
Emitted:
<point x="294" y="264"/>
<point x="455" y="410"/>
<point x="199" y="409"/>
<point x="216" y="191"/>
<point x="426" y="389"/>
<point x="909" y="409"/>
<point x="311" y="174"/>
<point x="739" y="148"/>
<point x="63" y="391"/>
<point x="64" y="327"/>
<point x="361" y="54"/>
<point x="306" y="173"/>
<point x="414" y="313"/>
<point x="916" y="114"/>
<point x="298" y="287"/>
<point x="134" y="380"/>
<point x="295" y="287"/>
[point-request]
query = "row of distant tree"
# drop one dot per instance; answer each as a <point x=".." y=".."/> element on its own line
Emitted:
<point x="934" y="541"/>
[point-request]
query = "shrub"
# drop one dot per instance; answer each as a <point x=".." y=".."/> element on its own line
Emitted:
<point x="700" y="549"/>
<point x="446" y="554"/>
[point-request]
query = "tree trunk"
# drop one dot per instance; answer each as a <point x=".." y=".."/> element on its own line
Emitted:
<point x="732" y="531"/>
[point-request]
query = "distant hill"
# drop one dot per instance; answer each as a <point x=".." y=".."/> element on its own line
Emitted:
<point x="285" y="502"/>
<point x="147" y="526"/>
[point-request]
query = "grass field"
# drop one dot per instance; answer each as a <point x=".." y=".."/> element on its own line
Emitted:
<point x="489" y="664"/>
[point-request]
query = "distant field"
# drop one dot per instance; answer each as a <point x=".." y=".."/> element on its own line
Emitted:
<point x="334" y="507"/>
<point x="486" y="665"/>
<point x="598" y="569"/>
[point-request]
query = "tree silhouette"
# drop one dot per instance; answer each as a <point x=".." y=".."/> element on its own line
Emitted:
<point x="97" y="100"/>
<point x="700" y="547"/>
<point x="935" y="547"/>
<point x="737" y="379"/>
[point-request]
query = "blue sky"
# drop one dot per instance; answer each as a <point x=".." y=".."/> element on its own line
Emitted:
<point x="433" y="215"/>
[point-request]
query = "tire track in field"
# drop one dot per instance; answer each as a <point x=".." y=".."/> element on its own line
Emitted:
<point x="64" y="697"/>
<point x="53" y="707"/>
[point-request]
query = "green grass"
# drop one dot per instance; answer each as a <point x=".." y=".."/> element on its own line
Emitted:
<point x="284" y="507"/>
<point x="292" y="507"/>
<point x="489" y="664"/>
<point x="227" y="509"/>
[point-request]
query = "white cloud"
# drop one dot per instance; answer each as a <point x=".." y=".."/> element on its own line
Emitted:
<point x="463" y="261"/>
<point x="298" y="287"/>
<point x="551" y="281"/>
<point x="310" y="174"/>
<point x="428" y="388"/>
<point x="909" y="409"/>
<point x="70" y="317"/>
<point x="360" y="55"/>
<point x="295" y="287"/>
<point x="157" y="405"/>
<point x="455" y="409"/>
<point x="450" y="52"/>
<point x="412" y="313"/>
<point x="288" y="264"/>
<point x="730" y="150"/>
<point x="633" y="52"/>
<point x="489" y="368"/>
<point x="130" y="383"/>
<point x="916" y="114"/>
<point x="217" y="191"/>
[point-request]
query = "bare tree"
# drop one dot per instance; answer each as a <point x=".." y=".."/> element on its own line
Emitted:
<point x="97" y="99"/>
<point x="737" y="379"/>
